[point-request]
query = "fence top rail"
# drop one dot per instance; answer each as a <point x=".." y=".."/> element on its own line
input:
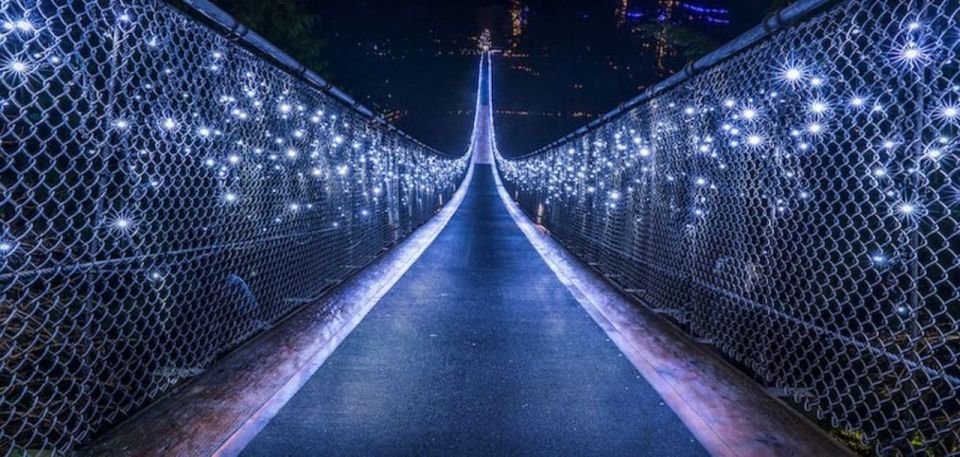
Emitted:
<point x="246" y="37"/>
<point x="774" y="22"/>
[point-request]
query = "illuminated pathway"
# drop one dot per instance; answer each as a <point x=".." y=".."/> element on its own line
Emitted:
<point x="478" y="349"/>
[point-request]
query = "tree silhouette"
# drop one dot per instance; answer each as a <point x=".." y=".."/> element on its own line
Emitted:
<point x="288" y="24"/>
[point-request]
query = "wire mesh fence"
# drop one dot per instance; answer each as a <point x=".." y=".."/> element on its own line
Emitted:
<point x="167" y="194"/>
<point x="797" y="204"/>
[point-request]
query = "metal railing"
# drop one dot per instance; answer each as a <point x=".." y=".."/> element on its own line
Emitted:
<point x="168" y="193"/>
<point x="795" y="200"/>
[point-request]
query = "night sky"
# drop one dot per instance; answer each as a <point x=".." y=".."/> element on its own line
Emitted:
<point x="564" y="61"/>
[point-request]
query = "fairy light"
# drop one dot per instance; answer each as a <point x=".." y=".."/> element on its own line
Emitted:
<point x="879" y="259"/>
<point x="947" y="112"/>
<point x="911" y="55"/>
<point x="818" y="107"/>
<point x="933" y="153"/>
<point x="122" y="224"/>
<point x="17" y="67"/>
<point x="7" y="247"/>
<point x="21" y="25"/>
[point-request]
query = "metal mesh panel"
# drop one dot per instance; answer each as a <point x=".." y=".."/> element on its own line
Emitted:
<point x="798" y="205"/>
<point x="167" y="195"/>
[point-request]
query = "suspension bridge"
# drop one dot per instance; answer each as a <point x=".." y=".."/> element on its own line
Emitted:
<point x="207" y="249"/>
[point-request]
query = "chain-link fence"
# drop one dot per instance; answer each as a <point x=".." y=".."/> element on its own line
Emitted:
<point x="797" y="204"/>
<point x="167" y="194"/>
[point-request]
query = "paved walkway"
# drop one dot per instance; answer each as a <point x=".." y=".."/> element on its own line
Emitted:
<point x="477" y="350"/>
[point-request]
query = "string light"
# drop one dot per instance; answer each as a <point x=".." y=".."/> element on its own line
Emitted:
<point x="121" y="224"/>
<point x="16" y="67"/>
<point x="7" y="247"/>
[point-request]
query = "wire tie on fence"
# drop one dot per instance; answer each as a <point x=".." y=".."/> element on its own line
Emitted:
<point x="237" y="32"/>
<point x="773" y="21"/>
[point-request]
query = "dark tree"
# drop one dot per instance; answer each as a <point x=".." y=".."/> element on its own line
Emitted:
<point x="286" y="23"/>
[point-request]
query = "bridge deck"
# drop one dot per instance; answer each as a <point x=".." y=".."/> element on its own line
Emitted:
<point x="478" y="349"/>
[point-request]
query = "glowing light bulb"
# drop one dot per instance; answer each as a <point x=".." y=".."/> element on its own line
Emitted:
<point x="793" y="74"/>
<point x="754" y="140"/>
<point x="948" y="112"/>
<point x="934" y="154"/>
<point x="7" y="246"/>
<point x="24" y="25"/>
<point x="818" y="107"/>
<point x="230" y="197"/>
<point x="911" y="54"/>
<point x="879" y="258"/>
<point x="18" y="66"/>
<point x="749" y="114"/>
<point x="169" y="123"/>
<point x="121" y="224"/>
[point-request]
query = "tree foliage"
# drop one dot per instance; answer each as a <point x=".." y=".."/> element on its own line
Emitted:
<point x="690" y="43"/>
<point x="288" y="24"/>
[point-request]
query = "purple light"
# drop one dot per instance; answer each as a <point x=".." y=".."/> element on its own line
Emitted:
<point x="703" y="9"/>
